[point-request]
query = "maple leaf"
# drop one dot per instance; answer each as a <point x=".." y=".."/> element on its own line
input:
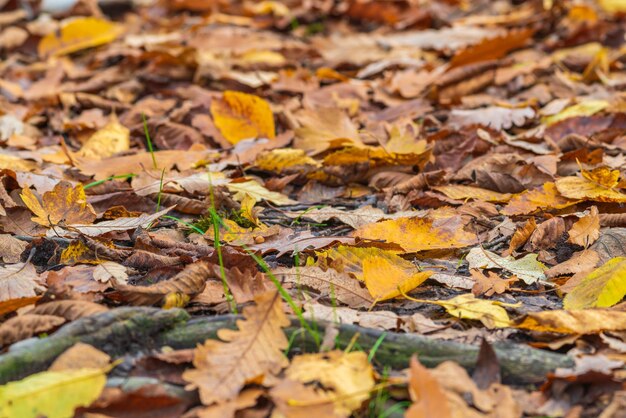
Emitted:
<point x="241" y="116"/>
<point x="254" y="352"/>
<point x="64" y="203"/>
<point x="18" y="281"/>
<point x="597" y="185"/>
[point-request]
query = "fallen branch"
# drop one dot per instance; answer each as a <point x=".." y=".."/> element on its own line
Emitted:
<point x="132" y="330"/>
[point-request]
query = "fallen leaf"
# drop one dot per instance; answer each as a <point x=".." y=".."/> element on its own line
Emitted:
<point x="255" y="190"/>
<point x="526" y="268"/>
<point x="110" y="271"/>
<point x="429" y="399"/>
<point x="587" y="321"/>
<point x="326" y="128"/>
<point x="490" y="284"/>
<point x="602" y="288"/>
<point x="493" y="116"/>
<point x="460" y="192"/>
<point x="78" y="34"/>
<point x="254" y="352"/>
<point x="11" y="248"/>
<point x="21" y="327"/>
<point x="355" y="218"/>
<point x="385" y="280"/>
<point x="586" y="230"/>
<point x="492" y="48"/>
<point x="346" y="377"/>
<point x="285" y="160"/>
<point x="71" y="310"/>
<point x="80" y="356"/>
<point x="65" y="204"/>
<point x="54" y="394"/>
<point x="241" y="116"/>
<point x="18" y="281"/>
<point x="584" y="108"/>
<point x="597" y="185"/>
<point x="113" y="138"/>
<point x="466" y="306"/>
<point x="419" y="234"/>
<point x="547" y="197"/>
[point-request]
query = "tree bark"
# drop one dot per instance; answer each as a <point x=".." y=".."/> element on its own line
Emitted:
<point x="132" y="330"/>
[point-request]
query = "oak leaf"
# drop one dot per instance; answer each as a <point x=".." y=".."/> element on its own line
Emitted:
<point x="602" y="288"/>
<point x="347" y="377"/>
<point x="254" y="352"/>
<point x="18" y="281"/>
<point x="586" y="230"/>
<point x="78" y="34"/>
<point x="241" y="116"/>
<point x="64" y="204"/>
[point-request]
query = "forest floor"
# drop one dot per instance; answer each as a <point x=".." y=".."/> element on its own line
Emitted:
<point x="314" y="208"/>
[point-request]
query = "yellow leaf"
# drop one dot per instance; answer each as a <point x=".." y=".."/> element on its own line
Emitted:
<point x="78" y="34"/>
<point x="175" y="300"/>
<point x="429" y="398"/>
<point x="419" y="234"/>
<point x="350" y="259"/>
<point x="279" y="160"/>
<point x="325" y="128"/>
<point x="586" y="230"/>
<point x="460" y="192"/>
<point x="585" y="108"/>
<point x="602" y="288"/>
<point x="53" y="394"/>
<point x="246" y="355"/>
<point x="376" y="156"/>
<point x="490" y="313"/>
<point x="586" y="321"/>
<point x="546" y="197"/>
<point x="110" y="140"/>
<point x="241" y="116"/>
<point x="15" y="163"/>
<point x="385" y="280"/>
<point x="347" y="377"/>
<point x="613" y="6"/>
<point x="258" y="192"/>
<point x="64" y="203"/>
<point x="596" y="185"/>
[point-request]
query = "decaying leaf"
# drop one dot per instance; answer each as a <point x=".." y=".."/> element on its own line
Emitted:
<point x="602" y="288"/>
<point x="526" y="268"/>
<point x="254" y="352"/>
<point x="65" y="204"/>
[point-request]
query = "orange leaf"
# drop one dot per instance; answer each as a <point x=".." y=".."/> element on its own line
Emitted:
<point x="429" y="398"/>
<point x="586" y="230"/>
<point x="385" y="280"/>
<point x="493" y="48"/>
<point x="545" y="197"/>
<point x="64" y="203"/>
<point x="241" y="116"/>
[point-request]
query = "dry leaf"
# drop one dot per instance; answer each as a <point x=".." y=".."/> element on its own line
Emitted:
<point x="64" y="204"/>
<point x="78" y="34"/>
<point x="526" y="268"/>
<point x="602" y="288"/>
<point x="459" y="192"/>
<point x="18" y="281"/>
<point x="419" y="234"/>
<point x="355" y="218"/>
<point x="241" y="116"/>
<point x="69" y="309"/>
<point x="81" y="356"/>
<point x="587" y="321"/>
<point x="586" y="230"/>
<point x="11" y="248"/>
<point x="490" y="284"/>
<point x="21" y="327"/>
<point x="326" y="128"/>
<point x="110" y="271"/>
<point x="493" y="116"/>
<point x="190" y="282"/>
<point x="253" y="353"/>
<point x="547" y="197"/>
<point x="106" y="142"/>
<point x="346" y="377"/>
<point x="597" y="185"/>
<point x="429" y="399"/>
<point x="386" y="280"/>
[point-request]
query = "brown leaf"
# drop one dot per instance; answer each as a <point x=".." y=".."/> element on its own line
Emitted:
<point x="80" y="356"/>
<point x="586" y="230"/>
<point x="11" y="248"/>
<point x="429" y="399"/>
<point x="487" y="369"/>
<point x="64" y="204"/>
<point x="254" y="352"/>
<point x="18" y="281"/>
<point x="289" y="393"/>
<point x="492" y="48"/>
<point x="188" y="282"/>
<point x="25" y="326"/>
<point x="69" y="309"/>
<point x="489" y="285"/>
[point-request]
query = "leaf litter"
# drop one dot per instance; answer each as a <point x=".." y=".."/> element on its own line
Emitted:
<point x="406" y="179"/>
